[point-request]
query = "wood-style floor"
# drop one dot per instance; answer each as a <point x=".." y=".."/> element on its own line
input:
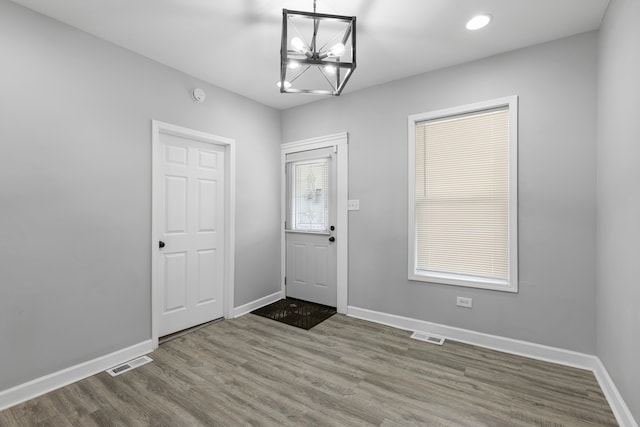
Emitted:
<point x="343" y="372"/>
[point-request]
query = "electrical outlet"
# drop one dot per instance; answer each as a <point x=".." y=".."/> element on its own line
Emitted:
<point x="464" y="302"/>
<point x="353" y="205"/>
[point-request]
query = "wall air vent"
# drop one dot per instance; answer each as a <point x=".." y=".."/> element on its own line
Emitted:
<point x="426" y="337"/>
<point x="127" y="366"/>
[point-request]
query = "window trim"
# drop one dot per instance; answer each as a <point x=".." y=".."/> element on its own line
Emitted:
<point x="511" y="284"/>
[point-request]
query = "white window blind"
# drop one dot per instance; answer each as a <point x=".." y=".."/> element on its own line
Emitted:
<point x="463" y="201"/>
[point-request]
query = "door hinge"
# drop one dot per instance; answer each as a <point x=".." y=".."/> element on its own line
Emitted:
<point x="285" y="280"/>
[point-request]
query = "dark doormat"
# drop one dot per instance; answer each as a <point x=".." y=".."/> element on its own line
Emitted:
<point x="295" y="312"/>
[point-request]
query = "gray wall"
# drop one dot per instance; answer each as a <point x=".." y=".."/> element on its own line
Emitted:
<point x="75" y="191"/>
<point x="619" y="198"/>
<point x="556" y="85"/>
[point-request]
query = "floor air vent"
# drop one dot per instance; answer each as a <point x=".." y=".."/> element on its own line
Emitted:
<point x="127" y="366"/>
<point x="423" y="336"/>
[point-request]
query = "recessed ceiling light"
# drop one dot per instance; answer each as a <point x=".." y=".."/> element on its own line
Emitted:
<point x="478" y="21"/>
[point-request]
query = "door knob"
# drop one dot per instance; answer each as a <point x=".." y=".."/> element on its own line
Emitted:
<point x="161" y="244"/>
<point x="332" y="239"/>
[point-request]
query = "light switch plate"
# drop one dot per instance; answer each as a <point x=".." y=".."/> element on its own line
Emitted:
<point x="353" y="205"/>
<point x="464" y="302"/>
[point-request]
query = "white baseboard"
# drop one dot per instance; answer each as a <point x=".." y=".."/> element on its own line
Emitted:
<point x="47" y="383"/>
<point x="494" y="342"/>
<point x="254" y="305"/>
<point x="508" y="345"/>
<point x="618" y="406"/>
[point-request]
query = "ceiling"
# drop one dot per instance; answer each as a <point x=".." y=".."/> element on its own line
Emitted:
<point x="235" y="44"/>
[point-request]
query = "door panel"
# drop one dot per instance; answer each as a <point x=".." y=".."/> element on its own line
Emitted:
<point x="321" y="258"/>
<point x="176" y="206"/>
<point x="311" y="257"/>
<point x="192" y="221"/>
<point x="207" y="202"/>
<point x="311" y="268"/>
<point x="299" y="261"/>
<point x="175" y="281"/>
<point x="207" y="263"/>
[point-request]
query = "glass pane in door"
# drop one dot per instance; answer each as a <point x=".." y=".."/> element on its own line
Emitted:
<point x="310" y="195"/>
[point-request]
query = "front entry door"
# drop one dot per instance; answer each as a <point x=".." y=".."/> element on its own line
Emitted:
<point x="191" y="217"/>
<point x="311" y="255"/>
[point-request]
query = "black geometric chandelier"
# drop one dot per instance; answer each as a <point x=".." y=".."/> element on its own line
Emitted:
<point x="317" y="53"/>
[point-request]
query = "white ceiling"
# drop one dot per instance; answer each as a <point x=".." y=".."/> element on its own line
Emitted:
<point x="235" y="44"/>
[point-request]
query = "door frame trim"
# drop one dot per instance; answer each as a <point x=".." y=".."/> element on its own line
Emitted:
<point x="340" y="141"/>
<point x="158" y="128"/>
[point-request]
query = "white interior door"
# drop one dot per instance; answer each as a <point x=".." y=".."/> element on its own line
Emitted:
<point x="191" y="216"/>
<point x="311" y="255"/>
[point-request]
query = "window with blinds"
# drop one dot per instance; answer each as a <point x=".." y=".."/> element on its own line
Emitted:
<point x="463" y="196"/>
<point x="309" y="191"/>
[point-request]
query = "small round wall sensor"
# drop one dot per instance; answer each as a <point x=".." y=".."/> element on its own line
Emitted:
<point x="198" y="95"/>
